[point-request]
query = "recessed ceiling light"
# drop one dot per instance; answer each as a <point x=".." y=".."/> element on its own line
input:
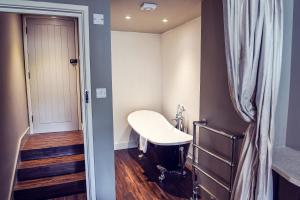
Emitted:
<point x="165" y="20"/>
<point x="128" y="17"/>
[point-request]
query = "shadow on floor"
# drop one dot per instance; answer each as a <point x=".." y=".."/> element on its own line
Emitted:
<point x="174" y="185"/>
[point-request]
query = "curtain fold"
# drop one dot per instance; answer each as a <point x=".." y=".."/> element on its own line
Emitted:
<point x="253" y="42"/>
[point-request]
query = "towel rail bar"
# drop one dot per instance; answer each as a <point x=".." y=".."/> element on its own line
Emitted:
<point x="213" y="197"/>
<point x="203" y="124"/>
<point x="214" y="155"/>
<point x="196" y="147"/>
<point x="212" y="178"/>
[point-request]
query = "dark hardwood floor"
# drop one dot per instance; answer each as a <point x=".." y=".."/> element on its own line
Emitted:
<point x="138" y="180"/>
<point x="61" y="177"/>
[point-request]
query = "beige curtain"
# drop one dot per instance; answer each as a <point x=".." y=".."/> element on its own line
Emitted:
<point x="253" y="40"/>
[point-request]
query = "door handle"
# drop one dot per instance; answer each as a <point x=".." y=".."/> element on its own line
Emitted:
<point x="73" y="61"/>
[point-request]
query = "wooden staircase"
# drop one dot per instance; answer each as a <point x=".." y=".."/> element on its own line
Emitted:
<point x="51" y="165"/>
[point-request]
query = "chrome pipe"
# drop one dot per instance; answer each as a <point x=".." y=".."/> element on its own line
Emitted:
<point x="232" y="170"/>
<point x="181" y="160"/>
<point x="203" y="125"/>
<point x="212" y="178"/>
<point x="214" y="155"/>
<point x="208" y="192"/>
<point x="194" y="175"/>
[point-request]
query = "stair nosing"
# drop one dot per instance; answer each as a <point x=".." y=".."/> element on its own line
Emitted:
<point x="51" y="152"/>
<point x="56" y="161"/>
<point x="51" y="192"/>
<point x="51" y="147"/>
<point x="80" y="177"/>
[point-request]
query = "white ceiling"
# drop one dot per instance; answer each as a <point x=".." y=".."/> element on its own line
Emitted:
<point x="176" y="11"/>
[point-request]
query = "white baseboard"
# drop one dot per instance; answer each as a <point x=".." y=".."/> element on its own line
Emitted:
<point x="125" y="145"/>
<point x="27" y="130"/>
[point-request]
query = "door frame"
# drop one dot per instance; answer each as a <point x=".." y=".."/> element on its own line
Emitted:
<point x="27" y="71"/>
<point x="82" y="14"/>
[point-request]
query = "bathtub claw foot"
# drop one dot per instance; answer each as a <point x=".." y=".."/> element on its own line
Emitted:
<point x="161" y="177"/>
<point x="196" y="194"/>
<point x="141" y="156"/>
<point x="162" y="170"/>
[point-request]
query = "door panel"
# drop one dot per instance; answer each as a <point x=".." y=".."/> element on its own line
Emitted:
<point x="51" y="45"/>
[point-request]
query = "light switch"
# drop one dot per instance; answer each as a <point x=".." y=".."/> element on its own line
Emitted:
<point x="98" y="19"/>
<point x="100" y="93"/>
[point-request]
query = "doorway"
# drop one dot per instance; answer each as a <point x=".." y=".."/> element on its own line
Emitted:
<point x="155" y="66"/>
<point x="54" y="152"/>
<point x="80" y="13"/>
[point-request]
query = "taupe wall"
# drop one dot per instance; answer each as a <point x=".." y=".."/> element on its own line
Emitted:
<point x="13" y="105"/>
<point x="281" y="116"/>
<point x="216" y="105"/>
<point x="293" y="126"/>
<point x="102" y="108"/>
<point x="214" y="90"/>
<point x="215" y="102"/>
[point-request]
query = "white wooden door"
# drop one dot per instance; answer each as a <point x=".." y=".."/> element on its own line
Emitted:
<point x="53" y="89"/>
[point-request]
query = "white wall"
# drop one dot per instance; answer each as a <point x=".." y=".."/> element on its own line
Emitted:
<point x="156" y="72"/>
<point x="180" y="48"/>
<point x="136" y="77"/>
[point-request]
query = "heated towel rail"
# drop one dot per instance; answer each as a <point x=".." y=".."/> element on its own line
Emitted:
<point x="197" y="168"/>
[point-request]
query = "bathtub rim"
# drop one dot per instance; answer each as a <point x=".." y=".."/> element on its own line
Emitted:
<point x="186" y="141"/>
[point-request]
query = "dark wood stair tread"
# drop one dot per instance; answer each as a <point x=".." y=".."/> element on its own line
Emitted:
<point x="50" y="161"/>
<point x="50" y="181"/>
<point x="48" y="140"/>
<point x="51" y="152"/>
<point x="81" y="196"/>
<point x="52" y="165"/>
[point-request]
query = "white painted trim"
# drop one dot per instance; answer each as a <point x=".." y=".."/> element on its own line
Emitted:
<point x="78" y="66"/>
<point x="83" y="31"/>
<point x="82" y="14"/>
<point x="12" y="181"/>
<point x="42" y="8"/>
<point x="125" y="145"/>
<point x="27" y="79"/>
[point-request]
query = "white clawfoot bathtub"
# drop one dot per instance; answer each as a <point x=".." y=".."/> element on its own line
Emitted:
<point x="155" y="128"/>
<point x="166" y="146"/>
